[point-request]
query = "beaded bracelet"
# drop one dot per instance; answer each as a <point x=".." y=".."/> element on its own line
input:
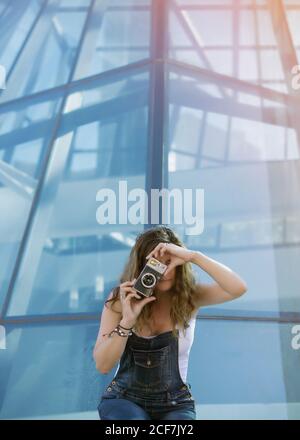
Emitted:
<point x="119" y="331"/>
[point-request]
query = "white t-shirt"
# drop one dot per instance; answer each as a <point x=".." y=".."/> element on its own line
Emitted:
<point x="184" y="347"/>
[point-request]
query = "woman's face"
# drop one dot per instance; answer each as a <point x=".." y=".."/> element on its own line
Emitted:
<point x="166" y="282"/>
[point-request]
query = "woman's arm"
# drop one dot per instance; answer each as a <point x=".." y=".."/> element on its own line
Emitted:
<point x="108" y="350"/>
<point x="228" y="285"/>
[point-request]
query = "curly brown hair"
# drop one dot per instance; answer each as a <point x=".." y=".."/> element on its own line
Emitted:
<point x="183" y="305"/>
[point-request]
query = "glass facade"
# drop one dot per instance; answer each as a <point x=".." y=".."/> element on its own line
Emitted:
<point x="160" y="94"/>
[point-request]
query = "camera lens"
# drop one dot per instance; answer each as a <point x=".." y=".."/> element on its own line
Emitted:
<point x="148" y="280"/>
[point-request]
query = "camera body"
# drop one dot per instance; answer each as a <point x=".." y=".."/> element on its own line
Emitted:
<point x="149" y="277"/>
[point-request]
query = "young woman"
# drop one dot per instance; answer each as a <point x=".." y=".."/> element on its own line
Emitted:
<point x="152" y="337"/>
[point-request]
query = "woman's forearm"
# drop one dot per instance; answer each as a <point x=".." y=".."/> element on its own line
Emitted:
<point x="108" y="352"/>
<point x="223" y="275"/>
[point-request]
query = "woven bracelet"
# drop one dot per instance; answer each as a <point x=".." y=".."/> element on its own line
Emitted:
<point x="119" y="331"/>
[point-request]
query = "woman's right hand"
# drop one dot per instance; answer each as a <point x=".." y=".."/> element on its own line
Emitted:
<point x="131" y="303"/>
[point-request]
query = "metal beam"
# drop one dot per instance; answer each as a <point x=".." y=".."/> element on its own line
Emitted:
<point x="83" y="84"/>
<point x="213" y="314"/>
<point x="156" y="114"/>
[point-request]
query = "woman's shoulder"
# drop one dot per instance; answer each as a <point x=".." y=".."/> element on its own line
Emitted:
<point x="194" y="314"/>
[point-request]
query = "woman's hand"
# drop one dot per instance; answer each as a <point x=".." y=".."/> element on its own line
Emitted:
<point x="178" y="255"/>
<point x="131" y="307"/>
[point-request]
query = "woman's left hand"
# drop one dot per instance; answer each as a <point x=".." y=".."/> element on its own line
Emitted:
<point x="178" y="255"/>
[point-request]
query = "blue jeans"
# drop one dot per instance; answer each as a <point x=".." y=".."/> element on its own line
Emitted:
<point x="148" y="385"/>
<point x="124" y="409"/>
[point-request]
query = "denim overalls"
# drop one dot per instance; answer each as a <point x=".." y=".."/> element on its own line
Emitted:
<point x="149" y="377"/>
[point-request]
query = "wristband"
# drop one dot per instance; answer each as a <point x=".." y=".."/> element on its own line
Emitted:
<point x="119" y="331"/>
<point x="125" y="327"/>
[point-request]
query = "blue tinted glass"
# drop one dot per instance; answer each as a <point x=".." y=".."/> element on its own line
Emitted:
<point x="50" y="49"/>
<point x="223" y="381"/>
<point x="117" y="35"/>
<point x="49" y="371"/>
<point x="231" y="38"/>
<point x="22" y="15"/>
<point x="293" y="16"/>
<point x="25" y="133"/>
<point x="73" y="259"/>
<point x="245" y="369"/>
<point x="218" y="145"/>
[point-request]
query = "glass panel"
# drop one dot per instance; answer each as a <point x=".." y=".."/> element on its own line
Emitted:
<point x="247" y="23"/>
<point x="188" y="125"/>
<point x="220" y="61"/>
<point x="208" y="28"/>
<point x="50" y="48"/>
<point x="266" y="36"/>
<point x="293" y="17"/>
<point x="225" y="383"/>
<point x="292" y="144"/>
<point x="248" y="65"/>
<point x="117" y="35"/>
<point x="271" y="67"/>
<point x="292" y="229"/>
<point x="22" y="15"/>
<point x="252" y="140"/>
<point x="25" y="133"/>
<point x="49" y="371"/>
<point x="231" y="38"/>
<point x="215" y="135"/>
<point x="71" y="259"/>
<point x="242" y="158"/>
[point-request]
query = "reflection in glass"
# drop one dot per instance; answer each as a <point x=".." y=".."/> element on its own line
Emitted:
<point x="102" y="138"/>
<point x="22" y="14"/>
<point x="49" y="371"/>
<point x="25" y="133"/>
<point x="50" y="48"/>
<point x="231" y="38"/>
<point x="118" y="34"/>
<point x="226" y="385"/>
<point x="242" y="156"/>
<point x="231" y="129"/>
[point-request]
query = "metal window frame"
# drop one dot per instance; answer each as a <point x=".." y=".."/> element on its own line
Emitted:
<point x="159" y="64"/>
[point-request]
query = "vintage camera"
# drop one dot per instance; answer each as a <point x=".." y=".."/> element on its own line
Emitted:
<point x="149" y="277"/>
